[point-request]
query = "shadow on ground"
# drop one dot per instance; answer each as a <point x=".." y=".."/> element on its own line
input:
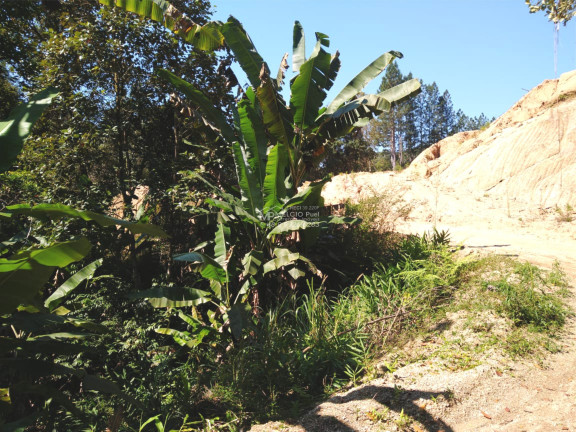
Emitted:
<point x="326" y="418"/>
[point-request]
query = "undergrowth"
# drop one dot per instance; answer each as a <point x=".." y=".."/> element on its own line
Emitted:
<point x="310" y="345"/>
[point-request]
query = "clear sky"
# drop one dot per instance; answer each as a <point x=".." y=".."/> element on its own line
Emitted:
<point x="486" y="53"/>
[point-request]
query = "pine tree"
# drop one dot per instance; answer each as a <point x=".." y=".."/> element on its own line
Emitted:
<point x="388" y="130"/>
<point x="417" y="123"/>
<point x="433" y="117"/>
<point x="446" y="114"/>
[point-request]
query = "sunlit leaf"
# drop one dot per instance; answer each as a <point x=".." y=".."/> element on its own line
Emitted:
<point x="15" y="129"/>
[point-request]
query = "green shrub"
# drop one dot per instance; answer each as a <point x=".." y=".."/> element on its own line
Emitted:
<point x="526" y="302"/>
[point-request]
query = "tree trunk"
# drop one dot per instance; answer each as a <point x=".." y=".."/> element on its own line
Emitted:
<point x="393" y="147"/>
<point x="124" y="169"/>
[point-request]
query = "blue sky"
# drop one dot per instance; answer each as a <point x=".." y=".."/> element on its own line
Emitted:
<point x="487" y="53"/>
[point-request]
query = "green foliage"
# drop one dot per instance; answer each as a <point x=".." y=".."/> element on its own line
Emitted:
<point x="558" y="11"/>
<point x="15" y="129"/>
<point x="351" y="153"/>
<point x="313" y="343"/>
<point x="59" y="211"/>
<point x="423" y="276"/>
<point x="207" y="37"/>
<point x="44" y="328"/>
<point x="32" y="357"/>
<point x="526" y="301"/>
<point x="304" y="127"/>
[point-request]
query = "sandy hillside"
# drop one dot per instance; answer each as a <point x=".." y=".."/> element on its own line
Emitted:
<point x="504" y="190"/>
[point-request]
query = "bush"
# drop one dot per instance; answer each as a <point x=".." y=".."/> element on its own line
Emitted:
<point x="526" y="302"/>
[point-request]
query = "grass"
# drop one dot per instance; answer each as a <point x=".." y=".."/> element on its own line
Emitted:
<point x="565" y="214"/>
<point x="500" y="308"/>
<point x="311" y="345"/>
<point x="515" y="306"/>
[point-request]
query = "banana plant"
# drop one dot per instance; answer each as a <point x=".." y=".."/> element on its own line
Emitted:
<point x="303" y="125"/>
<point x="274" y="144"/>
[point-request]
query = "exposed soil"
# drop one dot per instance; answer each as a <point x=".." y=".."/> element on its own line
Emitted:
<point x="532" y="224"/>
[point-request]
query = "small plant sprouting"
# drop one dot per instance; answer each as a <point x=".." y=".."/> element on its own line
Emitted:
<point x="565" y="214"/>
<point x="379" y="415"/>
<point x="404" y="420"/>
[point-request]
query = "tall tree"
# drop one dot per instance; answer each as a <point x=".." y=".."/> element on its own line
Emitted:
<point x="446" y="114"/>
<point x="461" y="122"/>
<point x="389" y="129"/>
<point x="113" y="129"/>
<point x="432" y="116"/>
<point x="8" y="93"/>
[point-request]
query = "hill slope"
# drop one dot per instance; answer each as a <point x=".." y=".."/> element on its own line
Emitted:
<point x="528" y="154"/>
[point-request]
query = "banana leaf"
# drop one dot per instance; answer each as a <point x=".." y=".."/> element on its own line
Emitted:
<point x="401" y="92"/>
<point x="362" y="79"/>
<point x="274" y="183"/>
<point x="209" y="268"/>
<point x="298" y="46"/>
<point x="16" y="128"/>
<point x="247" y="180"/>
<point x="206" y="37"/>
<point x="72" y="283"/>
<point x="244" y="51"/>
<point x="59" y="211"/>
<point x="221" y="239"/>
<point x="23" y="275"/>
<point x="276" y="117"/>
<point x="162" y="297"/>
<point x="253" y="134"/>
<point x="309" y="89"/>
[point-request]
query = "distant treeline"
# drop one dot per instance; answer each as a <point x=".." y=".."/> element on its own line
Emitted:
<point x="395" y="138"/>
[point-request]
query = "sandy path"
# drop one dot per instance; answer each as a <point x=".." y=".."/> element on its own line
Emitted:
<point x="526" y="398"/>
<point x="502" y="225"/>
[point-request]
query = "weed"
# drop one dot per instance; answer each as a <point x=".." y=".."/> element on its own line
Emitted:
<point x="566" y="214"/>
<point x="556" y="277"/>
<point x="518" y="345"/>
<point x="389" y="367"/>
<point x="379" y="415"/>
<point x="526" y="304"/>
<point x="404" y="420"/>
<point x="450" y="395"/>
<point x="396" y="393"/>
<point x="381" y="210"/>
<point x="485" y="126"/>
<point x="354" y="373"/>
